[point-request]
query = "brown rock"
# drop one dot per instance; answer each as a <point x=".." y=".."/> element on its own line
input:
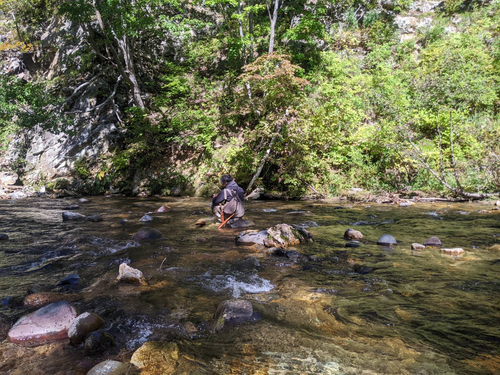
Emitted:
<point x="352" y="234"/>
<point x="155" y="357"/>
<point x="83" y="325"/>
<point x="109" y="367"/>
<point x="37" y="300"/>
<point x="236" y="310"/>
<point x="130" y="275"/>
<point x="50" y="323"/>
<point x="200" y="222"/>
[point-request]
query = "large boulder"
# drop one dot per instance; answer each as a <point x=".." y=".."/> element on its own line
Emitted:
<point x="433" y="241"/>
<point x="130" y="275"/>
<point x="234" y="311"/>
<point x="147" y="234"/>
<point x="252" y="237"/>
<point x="83" y="325"/>
<point x="281" y="236"/>
<point x="109" y="367"/>
<point x="50" y="323"/>
<point x="73" y="216"/>
<point x="387" y="240"/>
<point x="352" y="234"/>
<point x="155" y="357"/>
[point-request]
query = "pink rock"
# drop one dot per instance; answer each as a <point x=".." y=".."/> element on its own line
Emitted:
<point x="50" y="323"/>
<point x="163" y="209"/>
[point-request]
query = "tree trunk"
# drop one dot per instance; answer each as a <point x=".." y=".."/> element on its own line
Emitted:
<point x="274" y="19"/>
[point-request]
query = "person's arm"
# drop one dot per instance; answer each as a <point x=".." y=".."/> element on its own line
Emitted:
<point x="218" y="199"/>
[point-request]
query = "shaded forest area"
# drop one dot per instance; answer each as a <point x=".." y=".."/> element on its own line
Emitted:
<point x="298" y="97"/>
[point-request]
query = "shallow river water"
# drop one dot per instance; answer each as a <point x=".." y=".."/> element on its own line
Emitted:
<point x="402" y="312"/>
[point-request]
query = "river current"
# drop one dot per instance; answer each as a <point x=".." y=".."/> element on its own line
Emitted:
<point x="335" y="310"/>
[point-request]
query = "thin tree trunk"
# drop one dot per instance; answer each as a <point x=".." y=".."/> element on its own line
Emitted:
<point x="274" y="19"/>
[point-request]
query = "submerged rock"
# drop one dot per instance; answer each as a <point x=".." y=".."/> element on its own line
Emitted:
<point x="352" y="234"/>
<point x="241" y="224"/>
<point x="83" y="325"/>
<point x="71" y="279"/>
<point x="130" y="275"/>
<point x="147" y="234"/>
<point x="71" y="207"/>
<point x="95" y="218"/>
<point x="4" y="326"/>
<point x="200" y="222"/>
<point x="73" y="216"/>
<point x="245" y="265"/>
<point x="233" y="310"/>
<point x="455" y="251"/>
<point x="433" y="241"/>
<point x="83" y="200"/>
<point x="37" y="300"/>
<point x="146" y="218"/>
<point x="387" y="240"/>
<point x="3" y="237"/>
<point x="417" y="246"/>
<point x="155" y="357"/>
<point x="163" y="209"/>
<point x="109" y="367"/>
<point x="98" y="342"/>
<point x="50" y="323"/>
<point x="353" y="244"/>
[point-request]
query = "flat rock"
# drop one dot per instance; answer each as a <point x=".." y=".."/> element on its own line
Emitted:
<point x="73" y="216"/>
<point x="98" y="342"/>
<point x="37" y="300"/>
<point x="3" y="237"/>
<point x="83" y="325"/>
<point x="83" y="200"/>
<point x="147" y="234"/>
<point x="252" y="237"/>
<point x="387" y="240"/>
<point x="130" y="275"/>
<point x="48" y="324"/>
<point x="417" y="246"/>
<point x="458" y="251"/>
<point x="71" y="279"/>
<point x="109" y="367"/>
<point x="433" y="241"/>
<point x="163" y="209"/>
<point x="146" y="219"/>
<point x="241" y="224"/>
<point x="155" y="357"/>
<point x="352" y="234"/>
<point x="233" y="310"/>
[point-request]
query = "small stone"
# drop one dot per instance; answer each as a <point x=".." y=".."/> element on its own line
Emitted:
<point x="83" y="325"/>
<point x="352" y="234"/>
<point x="94" y="218"/>
<point x="50" y="323"/>
<point x="147" y="234"/>
<point x="109" y="367"/>
<point x="163" y="209"/>
<point x="71" y="207"/>
<point x="37" y="300"/>
<point x="130" y="275"/>
<point x="73" y="216"/>
<point x="200" y="222"/>
<point x="433" y="241"/>
<point x="98" y="342"/>
<point x="269" y="210"/>
<point x="233" y="310"/>
<point x="146" y="218"/>
<point x="455" y="251"/>
<point x="155" y="357"/>
<point x="202" y="239"/>
<point x="417" y="246"/>
<point x="83" y="200"/>
<point x="387" y="240"/>
<point x="71" y="279"/>
<point x="3" y="237"/>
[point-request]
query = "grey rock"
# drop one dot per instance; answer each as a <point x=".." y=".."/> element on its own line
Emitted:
<point x="352" y="234"/>
<point x="252" y="237"/>
<point x="109" y="367"/>
<point x="73" y="216"/>
<point x="233" y="310"/>
<point x="387" y="240"/>
<point x="269" y="210"/>
<point x="3" y="237"/>
<point x="98" y="342"/>
<point x="8" y="178"/>
<point x="248" y="264"/>
<point x="71" y="279"/>
<point x="17" y="195"/>
<point x="83" y="200"/>
<point x="71" y="207"/>
<point x="238" y="224"/>
<point x="147" y="234"/>
<point x="353" y="244"/>
<point x="146" y="218"/>
<point x="95" y="218"/>
<point x="300" y="212"/>
<point x="5" y="325"/>
<point x="433" y="241"/>
<point x="83" y="325"/>
<point x="130" y="275"/>
<point x="256" y="194"/>
<point x="417" y="246"/>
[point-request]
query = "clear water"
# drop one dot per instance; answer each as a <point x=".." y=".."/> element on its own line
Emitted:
<point x="406" y="312"/>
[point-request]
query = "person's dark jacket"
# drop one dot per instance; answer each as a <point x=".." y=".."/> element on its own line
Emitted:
<point x="233" y="186"/>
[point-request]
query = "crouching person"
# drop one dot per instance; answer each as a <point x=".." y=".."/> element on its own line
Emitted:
<point x="229" y="203"/>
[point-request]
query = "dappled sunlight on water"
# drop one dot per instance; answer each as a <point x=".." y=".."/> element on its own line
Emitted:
<point x="338" y="310"/>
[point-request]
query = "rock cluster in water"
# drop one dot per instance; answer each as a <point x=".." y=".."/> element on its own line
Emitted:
<point x="280" y="236"/>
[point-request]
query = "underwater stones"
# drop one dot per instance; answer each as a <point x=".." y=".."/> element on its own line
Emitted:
<point x="155" y="357"/>
<point x="233" y="310"/>
<point x="162" y="209"/>
<point x="146" y="234"/>
<point x="387" y="240"/>
<point x="37" y="300"/>
<point x="245" y="265"/>
<point x="109" y="367"/>
<point x="83" y="200"/>
<point x="83" y="325"/>
<point x="146" y="219"/>
<point x="352" y="234"/>
<point x="433" y="241"/>
<point x="130" y="275"/>
<point x="252" y="237"/>
<point x="353" y="244"/>
<point x="73" y="216"/>
<point x="71" y="207"/>
<point x="50" y="323"/>
<point x="4" y="326"/>
<point x="417" y="246"/>
<point x="241" y="223"/>
<point x="455" y="251"/>
<point x="200" y="222"/>
<point x="71" y="279"/>
<point x="95" y="218"/>
<point x="3" y="237"/>
<point x="98" y="342"/>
